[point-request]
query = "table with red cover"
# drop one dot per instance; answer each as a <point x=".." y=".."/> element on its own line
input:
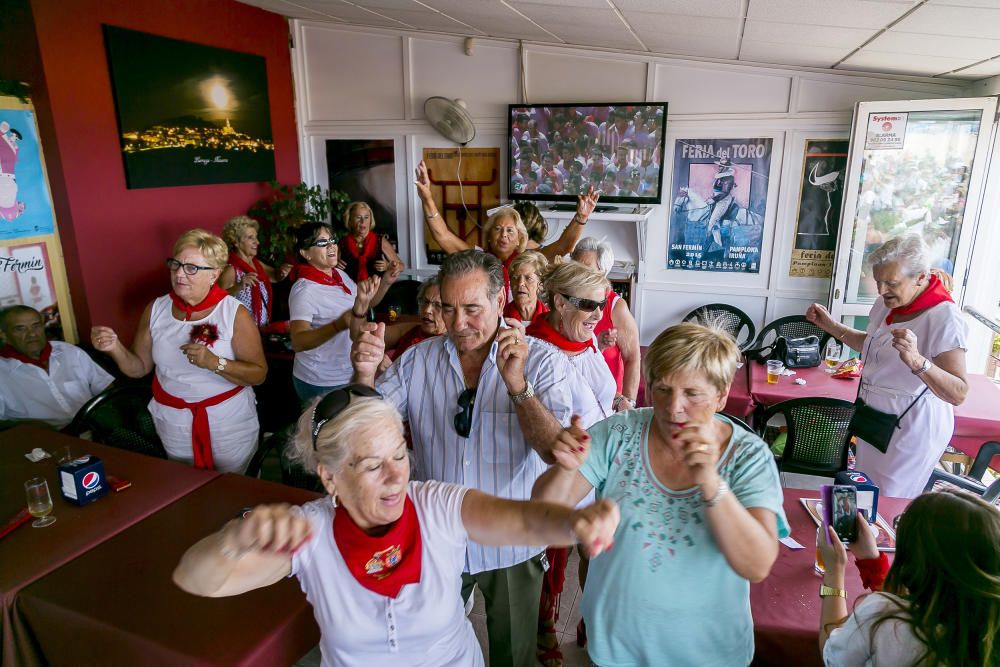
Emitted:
<point x="786" y="605"/>
<point x="117" y="604"/>
<point x="29" y="553"/>
<point x="977" y="419"/>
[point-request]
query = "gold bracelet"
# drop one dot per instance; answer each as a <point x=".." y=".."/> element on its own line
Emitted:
<point x="432" y="216"/>
<point x="828" y="591"/>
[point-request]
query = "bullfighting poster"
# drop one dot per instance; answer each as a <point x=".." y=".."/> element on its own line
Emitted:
<point x="720" y="199"/>
<point x="32" y="272"/>
<point x="821" y="193"/>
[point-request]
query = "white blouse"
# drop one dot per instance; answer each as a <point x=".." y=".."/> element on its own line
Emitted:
<point x="328" y="365"/>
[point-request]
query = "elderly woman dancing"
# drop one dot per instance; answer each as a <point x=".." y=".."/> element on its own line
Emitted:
<point x="914" y="371"/>
<point x="247" y="278"/>
<point x="701" y="511"/>
<point x="364" y="253"/>
<point x="206" y="351"/>
<point x="380" y="558"/>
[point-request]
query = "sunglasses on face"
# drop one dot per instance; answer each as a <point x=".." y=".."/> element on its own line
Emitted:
<point x="189" y="269"/>
<point x="463" y="420"/>
<point x="586" y="305"/>
<point x="336" y="402"/>
<point x="322" y="243"/>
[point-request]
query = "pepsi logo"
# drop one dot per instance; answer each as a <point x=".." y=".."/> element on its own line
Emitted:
<point x="859" y="478"/>
<point x="90" y="480"/>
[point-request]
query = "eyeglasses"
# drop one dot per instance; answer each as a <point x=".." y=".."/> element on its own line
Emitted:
<point x="586" y="305"/>
<point x="189" y="269"/>
<point x="423" y="303"/>
<point x="463" y="420"/>
<point x="322" y="243"/>
<point x="336" y="402"/>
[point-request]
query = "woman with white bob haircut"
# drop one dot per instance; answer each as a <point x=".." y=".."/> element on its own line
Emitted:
<point x="617" y="333"/>
<point x="380" y="558"/>
<point x="914" y="372"/>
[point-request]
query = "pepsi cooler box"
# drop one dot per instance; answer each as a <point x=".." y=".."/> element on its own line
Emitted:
<point x="82" y="480"/>
<point x="867" y="491"/>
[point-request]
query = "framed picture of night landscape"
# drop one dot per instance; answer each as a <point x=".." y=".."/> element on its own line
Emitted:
<point x="189" y="114"/>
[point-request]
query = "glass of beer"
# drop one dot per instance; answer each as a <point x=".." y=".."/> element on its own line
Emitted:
<point x="774" y="370"/>
<point x="39" y="502"/>
<point x="832" y="357"/>
<point x="818" y="565"/>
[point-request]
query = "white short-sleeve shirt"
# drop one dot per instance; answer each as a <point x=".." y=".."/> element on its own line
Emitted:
<point x="328" y="365"/>
<point x="28" y="392"/>
<point x="425" y="625"/>
<point x="893" y="643"/>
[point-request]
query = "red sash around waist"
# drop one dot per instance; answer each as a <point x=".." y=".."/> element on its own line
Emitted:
<point x="201" y="435"/>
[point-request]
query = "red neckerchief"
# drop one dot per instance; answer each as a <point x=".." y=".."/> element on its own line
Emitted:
<point x="8" y="352"/>
<point x="310" y="272"/>
<point x="930" y="297"/>
<point x="506" y="274"/>
<point x="540" y="328"/>
<point x="256" y="291"/>
<point x="411" y="338"/>
<point x="383" y="564"/>
<point x="362" y="255"/>
<point x="201" y="434"/>
<point x="512" y="311"/>
<point x="214" y="296"/>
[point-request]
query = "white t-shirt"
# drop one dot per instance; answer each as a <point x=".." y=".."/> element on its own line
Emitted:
<point x="425" y="625"/>
<point x="28" y="392"/>
<point x="328" y="365"/>
<point x="597" y="381"/>
<point x="894" y="642"/>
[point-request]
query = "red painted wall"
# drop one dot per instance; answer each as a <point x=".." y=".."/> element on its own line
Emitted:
<point x="115" y="239"/>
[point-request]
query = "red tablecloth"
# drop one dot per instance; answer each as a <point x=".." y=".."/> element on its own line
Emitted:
<point x="977" y="420"/>
<point x="117" y="604"/>
<point x="740" y="403"/>
<point x="786" y="605"/>
<point x="29" y="553"/>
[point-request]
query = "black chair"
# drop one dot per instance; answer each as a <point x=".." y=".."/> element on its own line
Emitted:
<point x="793" y="326"/>
<point x="402" y="293"/>
<point x="817" y="438"/>
<point x="118" y="417"/>
<point x="971" y="482"/>
<point x="292" y="474"/>
<point x="737" y="421"/>
<point x="731" y="318"/>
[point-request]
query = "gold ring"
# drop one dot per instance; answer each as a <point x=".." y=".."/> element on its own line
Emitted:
<point x="702" y="448"/>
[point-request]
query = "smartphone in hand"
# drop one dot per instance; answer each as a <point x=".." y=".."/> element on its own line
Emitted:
<point x="844" y="511"/>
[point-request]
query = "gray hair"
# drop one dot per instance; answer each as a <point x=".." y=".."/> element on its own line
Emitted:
<point x="569" y="278"/>
<point x="605" y="255"/>
<point x="909" y="250"/>
<point x="17" y="309"/>
<point x="469" y="261"/>
<point x="362" y="419"/>
<point x="433" y="281"/>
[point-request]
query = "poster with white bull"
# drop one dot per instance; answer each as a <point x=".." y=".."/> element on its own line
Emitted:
<point x="720" y="198"/>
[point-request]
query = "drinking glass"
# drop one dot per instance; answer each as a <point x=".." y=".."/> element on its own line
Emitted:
<point x="39" y="502"/>
<point x="818" y="565"/>
<point x="774" y="370"/>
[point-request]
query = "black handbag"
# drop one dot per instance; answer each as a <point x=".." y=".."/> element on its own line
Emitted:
<point x="798" y="352"/>
<point x="874" y="426"/>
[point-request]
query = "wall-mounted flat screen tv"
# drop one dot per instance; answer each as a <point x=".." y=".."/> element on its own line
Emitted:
<point x="558" y="151"/>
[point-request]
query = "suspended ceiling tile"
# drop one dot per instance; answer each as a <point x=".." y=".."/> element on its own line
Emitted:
<point x="714" y="8"/>
<point x="981" y="71"/>
<point x="846" y="13"/>
<point x="901" y="63"/>
<point x="587" y="36"/>
<point x="689" y="45"/>
<point x="346" y="12"/>
<point x="708" y="28"/>
<point x="812" y="36"/>
<point x="951" y="20"/>
<point x="590" y="4"/>
<point x="989" y="4"/>
<point x="378" y="5"/>
<point x="936" y="45"/>
<point x="785" y="53"/>
<point x="426" y="19"/>
<point x="552" y="17"/>
<point x="491" y="17"/>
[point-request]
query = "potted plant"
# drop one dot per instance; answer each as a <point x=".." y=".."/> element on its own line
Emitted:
<point x="287" y="207"/>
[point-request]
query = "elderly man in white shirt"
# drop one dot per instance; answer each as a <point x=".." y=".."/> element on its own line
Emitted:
<point x="43" y="381"/>
<point x="485" y="404"/>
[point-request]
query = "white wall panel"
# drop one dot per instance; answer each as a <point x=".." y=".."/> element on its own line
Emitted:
<point x="555" y="77"/>
<point x="827" y="95"/>
<point x="440" y="67"/>
<point x="352" y="75"/>
<point x="691" y="89"/>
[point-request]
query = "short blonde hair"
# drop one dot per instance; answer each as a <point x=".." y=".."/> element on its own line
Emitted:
<point x="535" y="259"/>
<point x="234" y="228"/>
<point x="692" y="348"/>
<point x="508" y="212"/>
<point x="349" y="211"/>
<point x="569" y="278"/>
<point x="214" y="249"/>
<point x="360" y="420"/>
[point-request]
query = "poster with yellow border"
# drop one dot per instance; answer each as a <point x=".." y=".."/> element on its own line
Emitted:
<point x="32" y="270"/>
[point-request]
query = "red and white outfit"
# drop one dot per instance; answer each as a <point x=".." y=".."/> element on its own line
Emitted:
<point x="233" y="422"/>
<point x="613" y="354"/>
<point x="424" y="625"/>
<point x="328" y="365"/>
<point x="256" y="297"/>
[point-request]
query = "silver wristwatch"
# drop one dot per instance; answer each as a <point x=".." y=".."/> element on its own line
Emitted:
<point x="222" y="365"/>
<point x="923" y="369"/>
<point x="528" y="392"/>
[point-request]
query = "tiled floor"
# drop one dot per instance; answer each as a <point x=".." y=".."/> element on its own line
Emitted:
<point x="569" y="616"/>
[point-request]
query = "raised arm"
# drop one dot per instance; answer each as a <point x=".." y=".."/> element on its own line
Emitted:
<point x="444" y="237"/>
<point x="585" y="205"/>
<point x="944" y="375"/>
<point x="820" y="316"/>
<point x="245" y="554"/>
<point x="135" y="363"/>
<point x="498" y="521"/>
